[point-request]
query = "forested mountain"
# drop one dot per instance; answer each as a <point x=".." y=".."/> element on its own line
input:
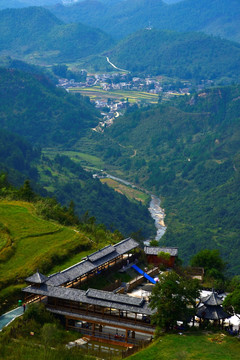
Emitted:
<point x="109" y="207"/>
<point x="33" y="107"/>
<point x="6" y="4"/>
<point x="185" y="55"/>
<point x="217" y="17"/>
<point x="10" y="63"/>
<point x="17" y="158"/>
<point x="189" y="153"/>
<point x="34" y="33"/>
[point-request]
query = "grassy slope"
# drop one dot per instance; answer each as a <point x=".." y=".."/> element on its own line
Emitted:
<point x="35" y="243"/>
<point x="194" y="347"/>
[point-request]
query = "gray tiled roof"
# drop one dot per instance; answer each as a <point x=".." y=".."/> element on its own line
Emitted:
<point x="155" y="250"/>
<point x="102" y="253"/>
<point x="212" y="312"/>
<point x="119" y="298"/>
<point x="37" y="278"/>
<point x="71" y="273"/>
<point x="126" y="245"/>
<point x="212" y="299"/>
<point x="107" y="299"/>
<point x="93" y="261"/>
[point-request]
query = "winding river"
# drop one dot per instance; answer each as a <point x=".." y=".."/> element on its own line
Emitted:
<point x="155" y="209"/>
<point x="158" y="216"/>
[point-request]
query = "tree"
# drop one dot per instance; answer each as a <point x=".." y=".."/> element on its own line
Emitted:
<point x="232" y="302"/>
<point x="174" y="299"/>
<point x="211" y="261"/>
<point x="26" y="192"/>
<point x="50" y="335"/>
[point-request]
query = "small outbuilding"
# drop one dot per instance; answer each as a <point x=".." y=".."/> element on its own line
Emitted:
<point x="161" y="255"/>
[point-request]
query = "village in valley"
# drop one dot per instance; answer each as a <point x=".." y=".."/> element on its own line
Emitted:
<point x="115" y="92"/>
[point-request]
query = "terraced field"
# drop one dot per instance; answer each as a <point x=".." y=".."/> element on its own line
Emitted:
<point x="28" y="242"/>
<point x="133" y="96"/>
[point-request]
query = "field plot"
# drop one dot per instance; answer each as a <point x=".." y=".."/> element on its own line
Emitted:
<point x="128" y="191"/>
<point x="96" y="93"/>
<point x="86" y="160"/>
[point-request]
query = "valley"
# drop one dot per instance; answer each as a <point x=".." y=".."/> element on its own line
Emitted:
<point x="119" y="179"/>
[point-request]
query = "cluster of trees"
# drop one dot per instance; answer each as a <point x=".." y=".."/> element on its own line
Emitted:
<point x="174" y="299"/>
<point x="49" y="336"/>
<point x="33" y="107"/>
<point x="103" y="203"/>
<point x="174" y="296"/>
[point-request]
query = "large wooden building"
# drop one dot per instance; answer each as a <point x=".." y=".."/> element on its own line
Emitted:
<point x="92" y="310"/>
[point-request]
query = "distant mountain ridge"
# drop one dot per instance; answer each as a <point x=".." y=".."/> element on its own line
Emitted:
<point x="120" y="18"/>
<point x="185" y="55"/>
<point x="35" y="33"/>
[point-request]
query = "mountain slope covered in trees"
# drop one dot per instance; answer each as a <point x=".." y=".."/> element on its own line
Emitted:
<point x="217" y="17"/>
<point x="34" y="33"/>
<point x="185" y="55"/>
<point x="33" y="107"/>
<point x="188" y="153"/>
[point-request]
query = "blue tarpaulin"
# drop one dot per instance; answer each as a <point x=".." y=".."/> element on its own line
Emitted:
<point x="135" y="267"/>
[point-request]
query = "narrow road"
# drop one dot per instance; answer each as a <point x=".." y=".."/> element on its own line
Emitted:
<point x="115" y="67"/>
<point x="7" y="318"/>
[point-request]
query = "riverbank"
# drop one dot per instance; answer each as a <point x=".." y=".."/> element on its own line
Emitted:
<point x="157" y="213"/>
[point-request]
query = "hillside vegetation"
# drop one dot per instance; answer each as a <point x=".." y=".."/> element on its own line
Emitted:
<point x="187" y="152"/>
<point x="35" y="34"/>
<point x="191" y="346"/>
<point x="66" y="180"/>
<point x="185" y="55"/>
<point x="37" y="233"/>
<point x="46" y="116"/>
<point x="33" y="107"/>
<point x="121" y="18"/>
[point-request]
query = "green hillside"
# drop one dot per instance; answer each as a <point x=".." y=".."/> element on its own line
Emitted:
<point x="187" y="152"/>
<point x="34" y="108"/>
<point x="36" y="35"/>
<point x="66" y="180"/>
<point x="46" y="116"/>
<point x="31" y="238"/>
<point x="217" y="17"/>
<point x="192" y="346"/>
<point x="28" y="242"/>
<point x="185" y="55"/>
<point x="17" y="158"/>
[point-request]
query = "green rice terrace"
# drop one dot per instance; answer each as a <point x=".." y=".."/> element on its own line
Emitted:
<point x="96" y="92"/>
<point x="29" y="242"/>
